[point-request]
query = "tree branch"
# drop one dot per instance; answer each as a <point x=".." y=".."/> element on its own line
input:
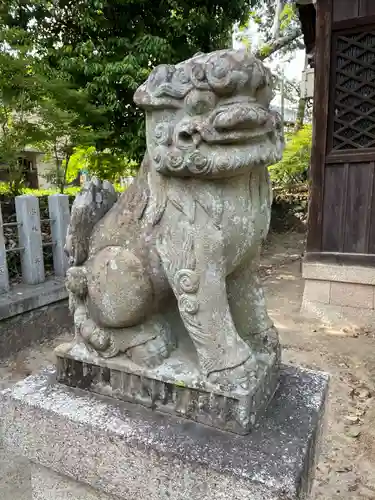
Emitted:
<point x="275" y="45"/>
<point x="277" y="19"/>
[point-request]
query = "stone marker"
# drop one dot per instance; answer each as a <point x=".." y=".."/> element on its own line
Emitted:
<point x="170" y="314"/>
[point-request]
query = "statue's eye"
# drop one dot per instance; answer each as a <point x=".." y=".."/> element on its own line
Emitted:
<point x="200" y="102"/>
<point x="201" y="107"/>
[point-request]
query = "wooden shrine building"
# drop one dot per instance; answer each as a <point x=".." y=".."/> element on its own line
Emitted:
<point x="339" y="263"/>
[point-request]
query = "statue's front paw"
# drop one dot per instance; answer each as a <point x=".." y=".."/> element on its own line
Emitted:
<point x="99" y="339"/>
<point x="237" y="378"/>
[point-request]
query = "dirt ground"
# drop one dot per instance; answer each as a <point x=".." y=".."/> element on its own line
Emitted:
<point x="347" y="463"/>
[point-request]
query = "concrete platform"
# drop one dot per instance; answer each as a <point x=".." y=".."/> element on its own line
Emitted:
<point x="34" y="326"/>
<point x="23" y="298"/>
<point x="88" y="447"/>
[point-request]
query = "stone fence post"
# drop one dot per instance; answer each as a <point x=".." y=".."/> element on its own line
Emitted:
<point x="58" y="206"/>
<point x="4" y="275"/>
<point x="30" y="239"/>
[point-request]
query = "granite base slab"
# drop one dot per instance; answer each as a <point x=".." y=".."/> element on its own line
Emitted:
<point x="128" y="452"/>
<point x="48" y="485"/>
<point x="176" y="386"/>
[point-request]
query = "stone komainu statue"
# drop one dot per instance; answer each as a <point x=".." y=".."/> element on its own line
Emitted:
<point x="183" y="240"/>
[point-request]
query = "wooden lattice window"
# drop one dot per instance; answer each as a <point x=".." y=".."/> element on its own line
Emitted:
<point x="354" y="94"/>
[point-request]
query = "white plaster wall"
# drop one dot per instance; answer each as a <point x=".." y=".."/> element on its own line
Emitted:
<point x="44" y="166"/>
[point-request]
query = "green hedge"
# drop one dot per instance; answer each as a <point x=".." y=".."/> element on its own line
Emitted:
<point x="71" y="191"/>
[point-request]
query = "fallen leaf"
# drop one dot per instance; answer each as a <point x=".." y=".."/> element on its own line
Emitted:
<point x="353" y="432"/>
<point x="362" y="393"/>
<point x="351" y="419"/>
<point x="353" y="487"/>
<point x="347" y="468"/>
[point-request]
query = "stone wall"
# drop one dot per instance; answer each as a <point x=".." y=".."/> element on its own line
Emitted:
<point x="339" y="294"/>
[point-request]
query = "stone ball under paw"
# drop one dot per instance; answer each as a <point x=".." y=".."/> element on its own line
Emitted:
<point x="119" y="288"/>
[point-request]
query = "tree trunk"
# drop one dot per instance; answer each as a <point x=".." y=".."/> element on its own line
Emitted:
<point x="277" y="19"/>
<point x="15" y="178"/>
<point x="63" y="181"/>
<point x="300" y="114"/>
<point x="301" y="111"/>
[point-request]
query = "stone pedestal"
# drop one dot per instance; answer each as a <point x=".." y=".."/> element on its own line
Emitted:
<point x="176" y="387"/>
<point x="89" y="447"/>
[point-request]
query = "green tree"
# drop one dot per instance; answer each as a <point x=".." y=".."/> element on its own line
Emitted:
<point x="19" y="92"/>
<point x="40" y="106"/>
<point x="108" y="48"/>
<point x="102" y="164"/>
<point x="279" y="36"/>
<point x="278" y="28"/>
<point x="59" y="113"/>
<point x="61" y="133"/>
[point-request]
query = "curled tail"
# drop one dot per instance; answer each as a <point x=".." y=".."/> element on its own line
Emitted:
<point x="90" y="205"/>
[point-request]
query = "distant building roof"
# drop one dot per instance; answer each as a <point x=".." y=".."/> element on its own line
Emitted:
<point x="290" y="114"/>
<point x="31" y="149"/>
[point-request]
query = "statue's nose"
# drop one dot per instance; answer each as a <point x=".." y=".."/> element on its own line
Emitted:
<point x="197" y="139"/>
<point x="189" y="135"/>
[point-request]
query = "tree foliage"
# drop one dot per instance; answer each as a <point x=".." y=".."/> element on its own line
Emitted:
<point x="102" y="164"/>
<point x="108" y="48"/>
<point x="40" y="107"/>
<point x="61" y="132"/>
<point x="294" y="166"/>
<point x="18" y="94"/>
<point x="278" y="28"/>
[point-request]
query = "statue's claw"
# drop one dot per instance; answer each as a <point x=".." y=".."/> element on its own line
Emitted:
<point x="107" y="343"/>
<point x="98" y="339"/>
<point x="239" y="377"/>
<point x="267" y="341"/>
<point x="151" y="353"/>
